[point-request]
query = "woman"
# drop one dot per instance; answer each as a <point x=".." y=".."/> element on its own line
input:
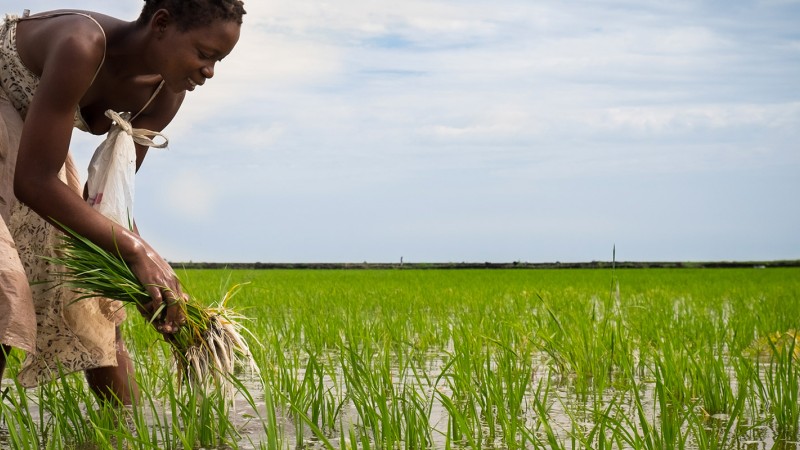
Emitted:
<point x="62" y="69"/>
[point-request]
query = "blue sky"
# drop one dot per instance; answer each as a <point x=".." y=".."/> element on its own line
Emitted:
<point x="442" y="130"/>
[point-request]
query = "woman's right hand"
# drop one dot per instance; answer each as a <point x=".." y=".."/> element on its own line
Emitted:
<point x="163" y="286"/>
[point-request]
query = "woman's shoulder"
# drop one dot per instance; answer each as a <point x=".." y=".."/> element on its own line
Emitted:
<point x="71" y="27"/>
<point x="76" y="34"/>
<point x="76" y="20"/>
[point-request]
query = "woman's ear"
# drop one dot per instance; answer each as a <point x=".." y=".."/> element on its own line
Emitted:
<point x="160" y="21"/>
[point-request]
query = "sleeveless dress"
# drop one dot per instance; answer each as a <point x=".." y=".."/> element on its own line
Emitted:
<point x="59" y="335"/>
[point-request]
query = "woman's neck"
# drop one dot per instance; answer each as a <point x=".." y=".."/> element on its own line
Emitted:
<point x="127" y="50"/>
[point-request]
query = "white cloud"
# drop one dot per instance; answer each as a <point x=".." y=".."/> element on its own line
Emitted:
<point x="685" y="40"/>
<point x="665" y="119"/>
<point x="189" y="196"/>
<point x="523" y="111"/>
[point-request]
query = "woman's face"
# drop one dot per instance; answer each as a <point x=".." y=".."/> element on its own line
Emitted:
<point x="189" y="56"/>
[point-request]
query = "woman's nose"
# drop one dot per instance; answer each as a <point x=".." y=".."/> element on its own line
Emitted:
<point x="208" y="71"/>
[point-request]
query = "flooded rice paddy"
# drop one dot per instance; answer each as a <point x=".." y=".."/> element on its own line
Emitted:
<point x="464" y="359"/>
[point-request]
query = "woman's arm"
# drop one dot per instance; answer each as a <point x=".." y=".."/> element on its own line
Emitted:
<point x="156" y="117"/>
<point x="68" y="68"/>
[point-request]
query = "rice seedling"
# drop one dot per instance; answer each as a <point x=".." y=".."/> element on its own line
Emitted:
<point x="783" y="387"/>
<point x="20" y="423"/>
<point x="541" y="406"/>
<point x="719" y="432"/>
<point x="659" y="427"/>
<point x="207" y="349"/>
<point x="465" y="379"/>
<point x="585" y="352"/>
<point x="606" y="430"/>
<point x="374" y="398"/>
<point x="508" y="383"/>
<point x="308" y="397"/>
<point x="460" y="430"/>
<point x="710" y="380"/>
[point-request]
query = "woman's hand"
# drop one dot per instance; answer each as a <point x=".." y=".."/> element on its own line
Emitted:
<point x="164" y="288"/>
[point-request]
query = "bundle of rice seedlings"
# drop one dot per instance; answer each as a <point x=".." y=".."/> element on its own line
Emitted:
<point x="207" y="349"/>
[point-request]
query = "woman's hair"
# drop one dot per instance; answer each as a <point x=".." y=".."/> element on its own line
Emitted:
<point x="189" y="14"/>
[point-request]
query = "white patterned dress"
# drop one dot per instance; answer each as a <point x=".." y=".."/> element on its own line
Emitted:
<point x="59" y="335"/>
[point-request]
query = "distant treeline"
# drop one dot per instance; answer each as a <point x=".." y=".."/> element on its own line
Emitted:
<point x="493" y="265"/>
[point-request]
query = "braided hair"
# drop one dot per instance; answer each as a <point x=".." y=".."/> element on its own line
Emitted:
<point x="190" y="14"/>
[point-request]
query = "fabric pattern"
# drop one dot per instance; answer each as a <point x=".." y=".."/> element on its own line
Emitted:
<point x="59" y="335"/>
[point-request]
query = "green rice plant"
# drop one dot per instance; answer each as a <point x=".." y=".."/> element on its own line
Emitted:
<point x="748" y="379"/>
<point x="202" y="419"/>
<point x="272" y="434"/>
<point x="659" y="428"/>
<point x="318" y="433"/>
<point x="671" y="368"/>
<point x="389" y="409"/>
<point x="507" y="383"/>
<point x="285" y="370"/>
<point x="307" y="395"/>
<point x="415" y="424"/>
<point x="63" y="398"/>
<point x="671" y="410"/>
<point x="465" y="376"/>
<point x="719" y="432"/>
<point x="207" y="348"/>
<point x="783" y="386"/>
<point x="460" y="429"/>
<point x="606" y="432"/>
<point x="20" y="424"/>
<point x="318" y="399"/>
<point x="710" y="381"/>
<point x="541" y="407"/>
<point x="169" y="419"/>
<point x="485" y="383"/>
<point x="581" y="342"/>
<point x="65" y="417"/>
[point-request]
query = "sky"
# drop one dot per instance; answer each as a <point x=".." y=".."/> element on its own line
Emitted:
<point x="483" y="131"/>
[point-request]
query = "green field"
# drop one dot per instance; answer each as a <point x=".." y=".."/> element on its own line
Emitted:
<point x="491" y="359"/>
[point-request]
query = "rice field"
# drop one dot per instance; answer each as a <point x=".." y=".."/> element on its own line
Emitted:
<point x="461" y="359"/>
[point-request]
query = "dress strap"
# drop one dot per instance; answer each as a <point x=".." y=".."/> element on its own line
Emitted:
<point x="26" y="15"/>
<point x="152" y="97"/>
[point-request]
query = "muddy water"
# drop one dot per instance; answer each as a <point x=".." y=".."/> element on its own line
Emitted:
<point x="563" y="404"/>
